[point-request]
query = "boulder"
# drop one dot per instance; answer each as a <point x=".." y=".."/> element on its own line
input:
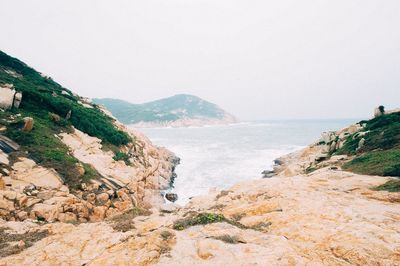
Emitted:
<point x="268" y="173"/>
<point x="10" y="195"/>
<point x="4" y="158"/>
<point x="7" y="205"/>
<point x="45" y="211"/>
<point x="102" y="198"/>
<point x="9" y="98"/>
<point x="99" y="214"/>
<point x="22" y="215"/>
<point x="28" y="126"/>
<point x="361" y="144"/>
<point x="67" y="217"/>
<point x="68" y="116"/>
<point x="171" y="196"/>
<point x="169" y="207"/>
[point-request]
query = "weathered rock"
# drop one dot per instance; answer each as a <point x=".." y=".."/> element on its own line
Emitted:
<point x="171" y="196"/>
<point x="9" y="98"/>
<point x="361" y="144"/>
<point x="45" y="211"/>
<point x="99" y="213"/>
<point x="67" y="217"/>
<point x="91" y="198"/>
<point x="2" y="183"/>
<point x="169" y="208"/>
<point x="26" y="171"/>
<point x="102" y="198"/>
<point x="4" y="158"/>
<point x="10" y="195"/>
<point x="28" y="126"/>
<point x="68" y="116"/>
<point x="22" y="215"/>
<point x="7" y="205"/>
<point x="268" y="173"/>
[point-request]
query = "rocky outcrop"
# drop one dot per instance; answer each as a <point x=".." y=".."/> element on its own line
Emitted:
<point x="29" y="191"/>
<point x="149" y="171"/>
<point x="317" y="155"/>
<point x="9" y="98"/>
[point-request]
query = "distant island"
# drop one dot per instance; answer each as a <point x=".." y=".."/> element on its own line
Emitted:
<point x="181" y="110"/>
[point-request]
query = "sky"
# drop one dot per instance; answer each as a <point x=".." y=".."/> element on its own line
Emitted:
<point x="257" y="59"/>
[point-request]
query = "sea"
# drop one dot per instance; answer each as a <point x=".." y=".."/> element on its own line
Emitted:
<point x="216" y="157"/>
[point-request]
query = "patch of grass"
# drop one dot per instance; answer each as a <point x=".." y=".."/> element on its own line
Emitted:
<point x="121" y="156"/>
<point x="382" y="163"/>
<point x="391" y="186"/>
<point x="48" y="150"/>
<point x="199" y="219"/>
<point x="383" y="133"/>
<point x="124" y="222"/>
<point x="8" y="249"/>
<point x="202" y="219"/>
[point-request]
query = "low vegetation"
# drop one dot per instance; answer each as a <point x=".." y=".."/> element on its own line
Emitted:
<point x="54" y="109"/>
<point x="380" y="154"/>
<point x="194" y="219"/>
<point x="121" y="156"/>
<point x="11" y="243"/>
<point x="124" y="222"/>
<point x="391" y="186"/>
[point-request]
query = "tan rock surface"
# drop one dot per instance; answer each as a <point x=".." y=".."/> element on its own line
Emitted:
<point x="325" y="218"/>
<point x="150" y="165"/>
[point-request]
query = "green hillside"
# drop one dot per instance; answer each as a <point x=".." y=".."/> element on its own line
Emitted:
<point x="54" y="109"/>
<point x="380" y="153"/>
<point x="177" y="107"/>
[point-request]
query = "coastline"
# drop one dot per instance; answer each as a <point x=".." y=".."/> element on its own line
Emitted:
<point x="326" y="216"/>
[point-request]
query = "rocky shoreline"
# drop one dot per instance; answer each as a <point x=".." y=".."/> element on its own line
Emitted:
<point x="308" y="212"/>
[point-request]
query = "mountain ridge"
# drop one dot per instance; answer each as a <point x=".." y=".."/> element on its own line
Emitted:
<point x="179" y="109"/>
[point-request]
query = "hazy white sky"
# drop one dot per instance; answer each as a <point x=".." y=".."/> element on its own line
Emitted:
<point x="257" y="59"/>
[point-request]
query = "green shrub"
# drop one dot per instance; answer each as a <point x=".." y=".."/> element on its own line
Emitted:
<point x="201" y="218"/>
<point x="121" y="156"/>
<point x="391" y="186"/>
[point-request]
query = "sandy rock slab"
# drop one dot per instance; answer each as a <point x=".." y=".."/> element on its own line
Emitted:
<point x="325" y="218"/>
<point x="68" y="245"/>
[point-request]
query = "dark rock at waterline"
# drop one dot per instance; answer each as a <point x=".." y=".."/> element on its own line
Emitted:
<point x="171" y="197"/>
<point x="268" y="173"/>
<point x="278" y="162"/>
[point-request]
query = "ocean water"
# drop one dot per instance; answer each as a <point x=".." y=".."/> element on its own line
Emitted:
<point x="220" y="156"/>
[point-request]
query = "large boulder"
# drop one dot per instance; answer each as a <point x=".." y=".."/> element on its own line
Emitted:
<point x="9" y="97"/>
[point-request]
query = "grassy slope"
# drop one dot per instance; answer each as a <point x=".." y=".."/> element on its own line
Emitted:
<point x="41" y="97"/>
<point x="380" y="154"/>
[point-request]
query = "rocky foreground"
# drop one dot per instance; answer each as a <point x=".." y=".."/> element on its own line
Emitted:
<point x="325" y="217"/>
